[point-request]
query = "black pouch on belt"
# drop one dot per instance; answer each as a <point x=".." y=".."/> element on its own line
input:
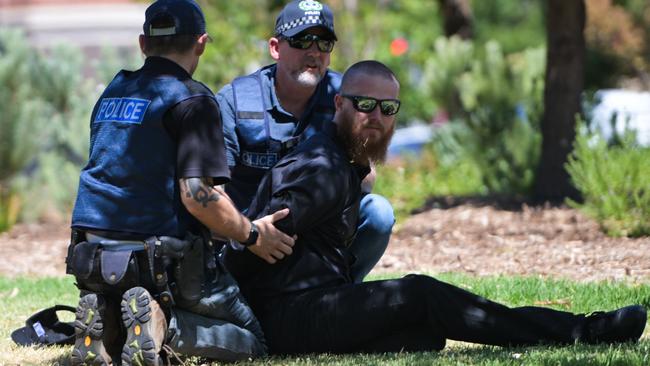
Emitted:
<point x="83" y="259"/>
<point x="76" y="237"/>
<point x="114" y="265"/>
<point x="190" y="274"/>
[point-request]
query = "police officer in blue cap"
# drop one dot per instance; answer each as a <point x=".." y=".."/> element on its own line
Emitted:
<point x="265" y="115"/>
<point x="149" y="201"/>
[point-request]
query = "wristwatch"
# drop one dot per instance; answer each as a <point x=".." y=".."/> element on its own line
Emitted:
<point x="252" y="236"/>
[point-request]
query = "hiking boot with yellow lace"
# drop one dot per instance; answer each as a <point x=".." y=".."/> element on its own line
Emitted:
<point x="89" y="331"/>
<point x="146" y="327"/>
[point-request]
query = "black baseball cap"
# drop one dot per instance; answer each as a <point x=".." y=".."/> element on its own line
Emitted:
<point x="183" y="16"/>
<point x="45" y="328"/>
<point x="300" y="15"/>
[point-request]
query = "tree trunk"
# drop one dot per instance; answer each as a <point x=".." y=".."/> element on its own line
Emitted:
<point x="457" y="18"/>
<point x="562" y="97"/>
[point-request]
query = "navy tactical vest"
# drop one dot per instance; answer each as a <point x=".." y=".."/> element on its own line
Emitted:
<point x="130" y="183"/>
<point x="263" y="140"/>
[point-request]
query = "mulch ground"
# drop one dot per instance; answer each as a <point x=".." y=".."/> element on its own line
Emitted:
<point x="513" y="239"/>
<point x="477" y="238"/>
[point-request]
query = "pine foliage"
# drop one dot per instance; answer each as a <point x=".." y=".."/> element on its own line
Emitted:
<point x="614" y="180"/>
<point x="498" y="99"/>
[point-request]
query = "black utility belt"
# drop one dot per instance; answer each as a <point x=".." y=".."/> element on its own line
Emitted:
<point x="163" y="245"/>
<point x="172" y="269"/>
<point x="100" y="261"/>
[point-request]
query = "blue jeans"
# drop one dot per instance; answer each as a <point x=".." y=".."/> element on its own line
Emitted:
<point x="376" y="221"/>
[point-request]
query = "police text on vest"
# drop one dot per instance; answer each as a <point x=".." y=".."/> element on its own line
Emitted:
<point x="126" y="110"/>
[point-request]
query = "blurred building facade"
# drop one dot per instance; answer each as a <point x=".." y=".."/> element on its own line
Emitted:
<point x="90" y="25"/>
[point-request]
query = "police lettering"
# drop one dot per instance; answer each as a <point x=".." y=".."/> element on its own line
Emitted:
<point x="126" y="110"/>
<point x="259" y="160"/>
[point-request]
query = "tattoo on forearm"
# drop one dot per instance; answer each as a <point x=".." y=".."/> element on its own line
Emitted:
<point x="200" y="191"/>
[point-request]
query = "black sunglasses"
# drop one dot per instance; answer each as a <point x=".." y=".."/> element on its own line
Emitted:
<point x="388" y="107"/>
<point x="305" y="41"/>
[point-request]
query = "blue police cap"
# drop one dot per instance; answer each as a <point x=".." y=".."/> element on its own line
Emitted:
<point x="300" y="15"/>
<point x="178" y="16"/>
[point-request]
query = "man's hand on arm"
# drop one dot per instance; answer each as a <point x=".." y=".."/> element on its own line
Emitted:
<point x="212" y="207"/>
<point x="272" y="244"/>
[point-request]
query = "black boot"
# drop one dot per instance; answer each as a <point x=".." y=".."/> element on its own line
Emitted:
<point x="622" y="325"/>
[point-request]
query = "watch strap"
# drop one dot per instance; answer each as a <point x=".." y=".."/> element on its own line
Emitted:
<point x="252" y="236"/>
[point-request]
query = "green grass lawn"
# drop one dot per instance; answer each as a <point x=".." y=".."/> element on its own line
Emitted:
<point x="19" y="298"/>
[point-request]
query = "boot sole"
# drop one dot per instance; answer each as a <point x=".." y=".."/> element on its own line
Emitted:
<point x="139" y="348"/>
<point x="89" y="328"/>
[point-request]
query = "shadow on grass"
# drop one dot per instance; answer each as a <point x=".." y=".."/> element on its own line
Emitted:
<point x="457" y="354"/>
<point x="464" y="354"/>
<point x="580" y="354"/>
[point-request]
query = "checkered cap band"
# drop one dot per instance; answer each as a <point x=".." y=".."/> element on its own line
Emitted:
<point x="308" y="19"/>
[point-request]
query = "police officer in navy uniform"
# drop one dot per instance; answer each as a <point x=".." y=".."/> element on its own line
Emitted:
<point x="265" y="115"/>
<point x="149" y="201"/>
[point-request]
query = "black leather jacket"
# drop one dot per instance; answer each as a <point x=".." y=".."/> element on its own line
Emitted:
<point x="322" y="189"/>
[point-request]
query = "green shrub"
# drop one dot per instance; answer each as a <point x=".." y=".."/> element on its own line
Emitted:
<point x="614" y="182"/>
<point x="498" y="99"/>
<point x="409" y="183"/>
<point x="45" y="106"/>
<point x="516" y="25"/>
<point x="20" y="114"/>
<point x="240" y="30"/>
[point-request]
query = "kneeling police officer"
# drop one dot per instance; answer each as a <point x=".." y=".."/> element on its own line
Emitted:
<point x="150" y="200"/>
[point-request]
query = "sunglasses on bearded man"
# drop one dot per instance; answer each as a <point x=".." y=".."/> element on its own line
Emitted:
<point x="388" y="107"/>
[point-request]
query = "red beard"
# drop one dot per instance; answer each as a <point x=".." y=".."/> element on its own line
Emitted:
<point x="360" y="148"/>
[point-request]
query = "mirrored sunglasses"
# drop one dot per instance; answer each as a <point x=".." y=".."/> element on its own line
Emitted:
<point x="388" y="107"/>
<point x="305" y="41"/>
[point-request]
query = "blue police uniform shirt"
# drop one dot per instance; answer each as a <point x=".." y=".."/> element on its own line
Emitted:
<point x="130" y="184"/>
<point x="258" y="132"/>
